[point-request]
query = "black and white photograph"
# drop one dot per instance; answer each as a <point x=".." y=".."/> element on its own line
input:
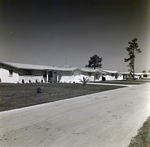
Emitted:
<point x="74" y="73"/>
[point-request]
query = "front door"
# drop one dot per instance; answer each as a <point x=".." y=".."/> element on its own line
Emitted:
<point x="54" y="76"/>
<point x="50" y="76"/>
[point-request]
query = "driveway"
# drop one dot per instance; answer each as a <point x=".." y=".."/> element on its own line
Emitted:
<point x="106" y="119"/>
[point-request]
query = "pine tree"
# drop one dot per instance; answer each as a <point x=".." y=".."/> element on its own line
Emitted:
<point x="132" y="50"/>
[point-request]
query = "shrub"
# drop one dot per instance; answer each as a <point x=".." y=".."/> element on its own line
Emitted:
<point x="116" y="75"/>
<point x="84" y="80"/>
<point x="39" y="90"/>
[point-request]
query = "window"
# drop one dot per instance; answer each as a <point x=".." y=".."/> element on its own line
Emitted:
<point x="10" y="73"/>
<point x="28" y="72"/>
<point x="145" y="76"/>
<point x="112" y="74"/>
<point x="44" y="74"/>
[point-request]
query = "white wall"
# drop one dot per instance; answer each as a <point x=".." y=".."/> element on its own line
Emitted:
<point x="66" y="79"/>
<point x="6" y="78"/>
<point x="120" y="77"/>
<point x="78" y="78"/>
<point x="31" y="78"/>
<point x="75" y="78"/>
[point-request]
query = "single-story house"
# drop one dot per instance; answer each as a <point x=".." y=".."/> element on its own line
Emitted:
<point x="142" y="75"/>
<point x="27" y="73"/>
<point x="126" y="75"/>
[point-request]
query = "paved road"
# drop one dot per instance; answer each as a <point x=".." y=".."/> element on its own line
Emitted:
<point x="107" y="119"/>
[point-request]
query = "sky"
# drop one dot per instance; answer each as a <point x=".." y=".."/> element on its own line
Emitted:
<point x="60" y="32"/>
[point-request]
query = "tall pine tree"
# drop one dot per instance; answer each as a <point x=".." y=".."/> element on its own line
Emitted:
<point x="132" y="50"/>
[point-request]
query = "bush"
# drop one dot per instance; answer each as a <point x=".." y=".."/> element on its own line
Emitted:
<point x="84" y="81"/>
<point x="39" y="90"/>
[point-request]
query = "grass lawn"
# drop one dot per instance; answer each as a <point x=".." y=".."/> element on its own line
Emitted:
<point x="21" y="95"/>
<point x="142" y="139"/>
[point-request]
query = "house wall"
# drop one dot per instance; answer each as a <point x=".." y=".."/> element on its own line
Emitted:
<point x="76" y="76"/>
<point x="108" y="77"/>
<point x="28" y="72"/>
<point x="112" y="76"/>
<point x="31" y="76"/>
<point x="66" y="79"/>
<point x="89" y="75"/>
<point x="31" y="79"/>
<point x="120" y="77"/>
<point x="65" y="76"/>
<point x="145" y="76"/>
<point x="5" y="77"/>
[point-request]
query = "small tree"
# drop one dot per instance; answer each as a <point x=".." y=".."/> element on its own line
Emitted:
<point x="95" y="61"/>
<point x="39" y="90"/>
<point x="132" y="50"/>
<point x="116" y="75"/>
<point x="84" y="81"/>
<point x="149" y="71"/>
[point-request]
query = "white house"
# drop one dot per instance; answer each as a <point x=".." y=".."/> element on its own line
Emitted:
<point x="126" y="75"/>
<point x="74" y="75"/>
<point x="142" y="75"/>
<point x="27" y="73"/>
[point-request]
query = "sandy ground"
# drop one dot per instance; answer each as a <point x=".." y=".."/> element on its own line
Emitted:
<point x="106" y="119"/>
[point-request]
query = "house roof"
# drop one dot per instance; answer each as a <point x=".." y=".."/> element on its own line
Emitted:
<point x="28" y="66"/>
<point x="43" y="67"/>
<point x="125" y="72"/>
<point x="109" y="71"/>
<point x="138" y="74"/>
<point x="37" y="67"/>
<point x="68" y="69"/>
<point x="89" y="70"/>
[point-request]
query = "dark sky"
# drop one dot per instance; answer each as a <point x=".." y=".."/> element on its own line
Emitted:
<point x="45" y="31"/>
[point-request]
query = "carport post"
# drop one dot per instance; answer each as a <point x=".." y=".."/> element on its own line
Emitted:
<point x="47" y="77"/>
